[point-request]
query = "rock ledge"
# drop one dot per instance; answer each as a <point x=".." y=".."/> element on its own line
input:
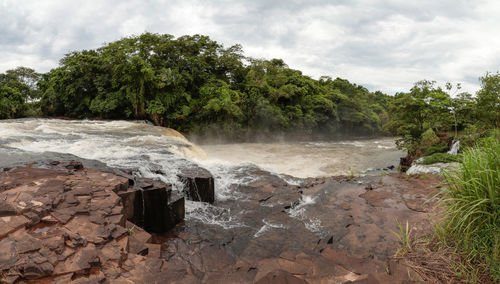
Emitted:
<point x="68" y="223"/>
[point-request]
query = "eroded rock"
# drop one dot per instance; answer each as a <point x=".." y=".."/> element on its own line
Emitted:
<point x="199" y="184"/>
<point x="62" y="223"/>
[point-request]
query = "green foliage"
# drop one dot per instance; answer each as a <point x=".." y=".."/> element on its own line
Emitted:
<point x="424" y="107"/>
<point x="194" y="84"/>
<point x="488" y="101"/>
<point x="24" y="80"/>
<point x="473" y="206"/>
<point x="440" y="158"/>
<point x="11" y="102"/>
<point x="404" y="237"/>
<point x="440" y="148"/>
<point x="429" y="138"/>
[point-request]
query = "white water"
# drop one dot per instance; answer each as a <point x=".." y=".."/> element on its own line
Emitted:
<point x="312" y="159"/>
<point x="160" y="152"/>
<point x="454" y="148"/>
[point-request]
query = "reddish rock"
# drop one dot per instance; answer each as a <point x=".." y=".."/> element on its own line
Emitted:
<point x="280" y="277"/>
<point x="60" y="226"/>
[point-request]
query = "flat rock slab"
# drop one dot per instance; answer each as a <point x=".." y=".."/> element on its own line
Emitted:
<point x="329" y="230"/>
<point x="61" y="223"/>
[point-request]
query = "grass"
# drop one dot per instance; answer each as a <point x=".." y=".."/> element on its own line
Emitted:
<point x="131" y="231"/>
<point x="435" y="263"/>
<point x="472" y="209"/>
<point x="404" y="237"/>
<point x="440" y="158"/>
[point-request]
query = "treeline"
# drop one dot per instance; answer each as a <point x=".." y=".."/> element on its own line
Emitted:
<point x="430" y="108"/>
<point x="195" y="85"/>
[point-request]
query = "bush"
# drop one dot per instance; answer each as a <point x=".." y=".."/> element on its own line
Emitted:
<point x="440" y="148"/>
<point x="440" y="158"/>
<point x="472" y="221"/>
<point x="429" y="138"/>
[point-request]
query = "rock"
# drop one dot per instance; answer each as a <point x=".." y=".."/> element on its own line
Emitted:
<point x="8" y="254"/>
<point x="137" y="238"/>
<point x="435" y="169"/>
<point x="33" y="217"/>
<point x="405" y="163"/>
<point x="154" y="250"/>
<point x="69" y="226"/>
<point x="74" y="165"/>
<point x="199" y="184"/>
<point x="9" y="224"/>
<point x="83" y="259"/>
<point x="6" y="209"/>
<point x="63" y="279"/>
<point x="376" y="198"/>
<point x="128" y="201"/>
<point x="32" y="270"/>
<point x="10" y="279"/>
<point x="280" y="277"/>
<point x="155" y="208"/>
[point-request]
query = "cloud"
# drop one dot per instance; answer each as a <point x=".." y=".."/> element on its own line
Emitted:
<point x="384" y="45"/>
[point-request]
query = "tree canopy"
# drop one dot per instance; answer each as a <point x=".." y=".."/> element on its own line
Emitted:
<point x="194" y="84"/>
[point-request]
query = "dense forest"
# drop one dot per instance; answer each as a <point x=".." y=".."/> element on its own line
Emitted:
<point x="195" y="85"/>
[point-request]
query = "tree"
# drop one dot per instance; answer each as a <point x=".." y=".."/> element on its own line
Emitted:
<point x="425" y="106"/>
<point x="23" y="79"/>
<point x="488" y="100"/>
<point x="11" y="102"/>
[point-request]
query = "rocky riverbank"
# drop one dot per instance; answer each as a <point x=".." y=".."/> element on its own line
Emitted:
<point x="62" y="222"/>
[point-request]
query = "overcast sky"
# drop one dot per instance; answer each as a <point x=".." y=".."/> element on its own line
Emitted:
<point x="382" y="45"/>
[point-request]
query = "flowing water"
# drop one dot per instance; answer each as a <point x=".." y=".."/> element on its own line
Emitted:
<point x="313" y="159"/>
<point x="139" y="145"/>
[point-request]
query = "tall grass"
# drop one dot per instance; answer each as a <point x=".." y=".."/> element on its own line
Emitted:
<point x="472" y="220"/>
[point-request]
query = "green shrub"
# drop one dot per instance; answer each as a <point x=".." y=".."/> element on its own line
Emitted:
<point x="472" y="221"/>
<point x="440" y="158"/>
<point x="32" y="109"/>
<point x="440" y="148"/>
<point x="429" y="138"/>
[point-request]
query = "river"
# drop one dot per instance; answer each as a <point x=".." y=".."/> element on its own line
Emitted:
<point x="129" y="144"/>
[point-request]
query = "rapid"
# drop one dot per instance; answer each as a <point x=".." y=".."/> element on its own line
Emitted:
<point x="148" y="148"/>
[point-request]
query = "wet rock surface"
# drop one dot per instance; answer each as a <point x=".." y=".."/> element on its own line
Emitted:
<point x="333" y="230"/>
<point x="199" y="184"/>
<point x="65" y="223"/>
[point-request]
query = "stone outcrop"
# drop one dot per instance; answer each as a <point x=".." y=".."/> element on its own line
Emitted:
<point x="199" y="184"/>
<point x="152" y="205"/>
<point x="68" y="223"/>
<point x="327" y="230"/>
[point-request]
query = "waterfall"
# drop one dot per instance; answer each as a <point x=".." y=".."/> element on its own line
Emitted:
<point x="455" y="146"/>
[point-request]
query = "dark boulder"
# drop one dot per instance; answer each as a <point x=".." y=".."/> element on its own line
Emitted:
<point x="405" y="163"/>
<point x="153" y="207"/>
<point x="199" y="184"/>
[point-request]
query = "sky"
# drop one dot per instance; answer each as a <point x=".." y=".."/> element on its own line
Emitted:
<point x="382" y="45"/>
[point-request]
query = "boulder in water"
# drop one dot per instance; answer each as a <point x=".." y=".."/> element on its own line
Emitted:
<point x="199" y="184"/>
